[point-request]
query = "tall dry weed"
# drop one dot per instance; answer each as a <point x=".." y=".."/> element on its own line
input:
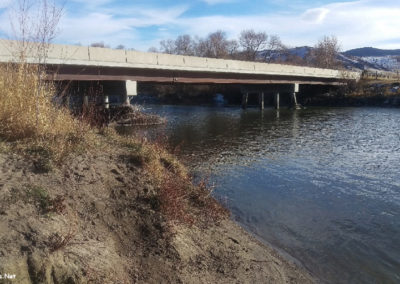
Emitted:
<point x="29" y="115"/>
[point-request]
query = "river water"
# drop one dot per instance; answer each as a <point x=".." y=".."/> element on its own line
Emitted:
<point x="321" y="184"/>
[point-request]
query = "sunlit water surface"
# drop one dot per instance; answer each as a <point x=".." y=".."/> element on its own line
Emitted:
<point x="321" y="184"/>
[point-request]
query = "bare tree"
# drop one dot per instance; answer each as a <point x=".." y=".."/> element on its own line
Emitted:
<point x="35" y="27"/>
<point x="275" y="50"/>
<point x="153" y="49"/>
<point x="167" y="46"/>
<point x="325" y="52"/>
<point x="120" y="46"/>
<point x="184" y="45"/>
<point x="21" y="28"/>
<point x="34" y="24"/>
<point x="233" y="48"/>
<point x="215" y="45"/>
<point x="252" y="42"/>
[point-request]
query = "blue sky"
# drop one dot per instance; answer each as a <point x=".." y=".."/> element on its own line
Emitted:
<point x="142" y="24"/>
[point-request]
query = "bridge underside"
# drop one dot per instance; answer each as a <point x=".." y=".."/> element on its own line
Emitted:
<point x="89" y="73"/>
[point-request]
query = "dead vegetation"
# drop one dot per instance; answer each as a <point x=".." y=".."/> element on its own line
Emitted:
<point x="32" y="121"/>
<point x="133" y="115"/>
<point x="177" y="197"/>
<point x="57" y="241"/>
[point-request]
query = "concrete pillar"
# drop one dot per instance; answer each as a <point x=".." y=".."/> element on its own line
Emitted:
<point x="131" y="90"/>
<point x="244" y="100"/>
<point x="106" y="102"/>
<point x="294" y="99"/>
<point x="85" y="101"/>
<point x="68" y="101"/>
<point x="276" y="101"/>
<point x="261" y="100"/>
<point x="296" y="89"/>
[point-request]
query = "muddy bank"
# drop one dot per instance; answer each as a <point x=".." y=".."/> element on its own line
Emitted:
<point x="95" y="219"/>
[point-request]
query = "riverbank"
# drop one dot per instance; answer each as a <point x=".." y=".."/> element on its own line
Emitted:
<point x="100" y="218"/>
<point x="364" y="93"/>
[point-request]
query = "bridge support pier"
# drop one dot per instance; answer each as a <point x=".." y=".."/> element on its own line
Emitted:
<point x="276" y="100"/>
<point x="294" y="96"/>
<point x="67" y="101"/>
<point x="261" y="100"/>
<point x="131" y="90"/>
<point x="245" y="99"/>
<point x="106" y="102"/>
<point x="85" y="101"/>
<point x="294" y="100"/>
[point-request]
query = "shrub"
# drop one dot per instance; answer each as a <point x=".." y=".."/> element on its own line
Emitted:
<point x="41" y="198"/>
<point x="28" y="114"/>
<point x="58" y="241"/>
<point x="173" y="195"/>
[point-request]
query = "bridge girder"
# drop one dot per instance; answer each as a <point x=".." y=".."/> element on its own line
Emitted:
<point x="88" y="73"/>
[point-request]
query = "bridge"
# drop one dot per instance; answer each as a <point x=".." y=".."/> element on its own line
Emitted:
<point x="79" y="63"/>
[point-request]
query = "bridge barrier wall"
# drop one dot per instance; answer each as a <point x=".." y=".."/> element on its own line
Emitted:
<point x="65" y="53"/>
<point x="197" y="62"/>
<point x="140" y="58"/>
<point x="98" y="54"/>
<point x="171" y="60"/>
<point x="105" y="57"/>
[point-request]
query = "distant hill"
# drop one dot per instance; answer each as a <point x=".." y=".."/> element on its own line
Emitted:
<point x="372" y="52"/>
<point x="366" y="58"/>
<point x="301" y="51"/>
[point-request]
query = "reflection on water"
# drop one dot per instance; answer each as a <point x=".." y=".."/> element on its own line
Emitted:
<point x="321" y="184"/>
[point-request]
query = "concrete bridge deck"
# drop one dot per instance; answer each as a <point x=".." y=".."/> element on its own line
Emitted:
<point x="68" y="62"/>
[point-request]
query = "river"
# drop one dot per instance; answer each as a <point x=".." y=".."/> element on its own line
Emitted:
<point x="322" y="185"/>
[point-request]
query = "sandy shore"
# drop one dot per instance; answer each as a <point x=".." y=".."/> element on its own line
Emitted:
<point x="93" y="221"/>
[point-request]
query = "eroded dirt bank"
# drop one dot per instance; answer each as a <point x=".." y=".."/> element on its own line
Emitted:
<point x="98" y="219"/>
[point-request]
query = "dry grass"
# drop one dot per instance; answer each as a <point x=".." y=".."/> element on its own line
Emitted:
<point x="173" y="195"/>
<point x="181" y="201"/>
<point x="30" y="117"/>
<point x="178" y="198"/>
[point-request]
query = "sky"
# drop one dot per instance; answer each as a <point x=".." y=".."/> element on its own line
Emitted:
<point x="141" y="24"/>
